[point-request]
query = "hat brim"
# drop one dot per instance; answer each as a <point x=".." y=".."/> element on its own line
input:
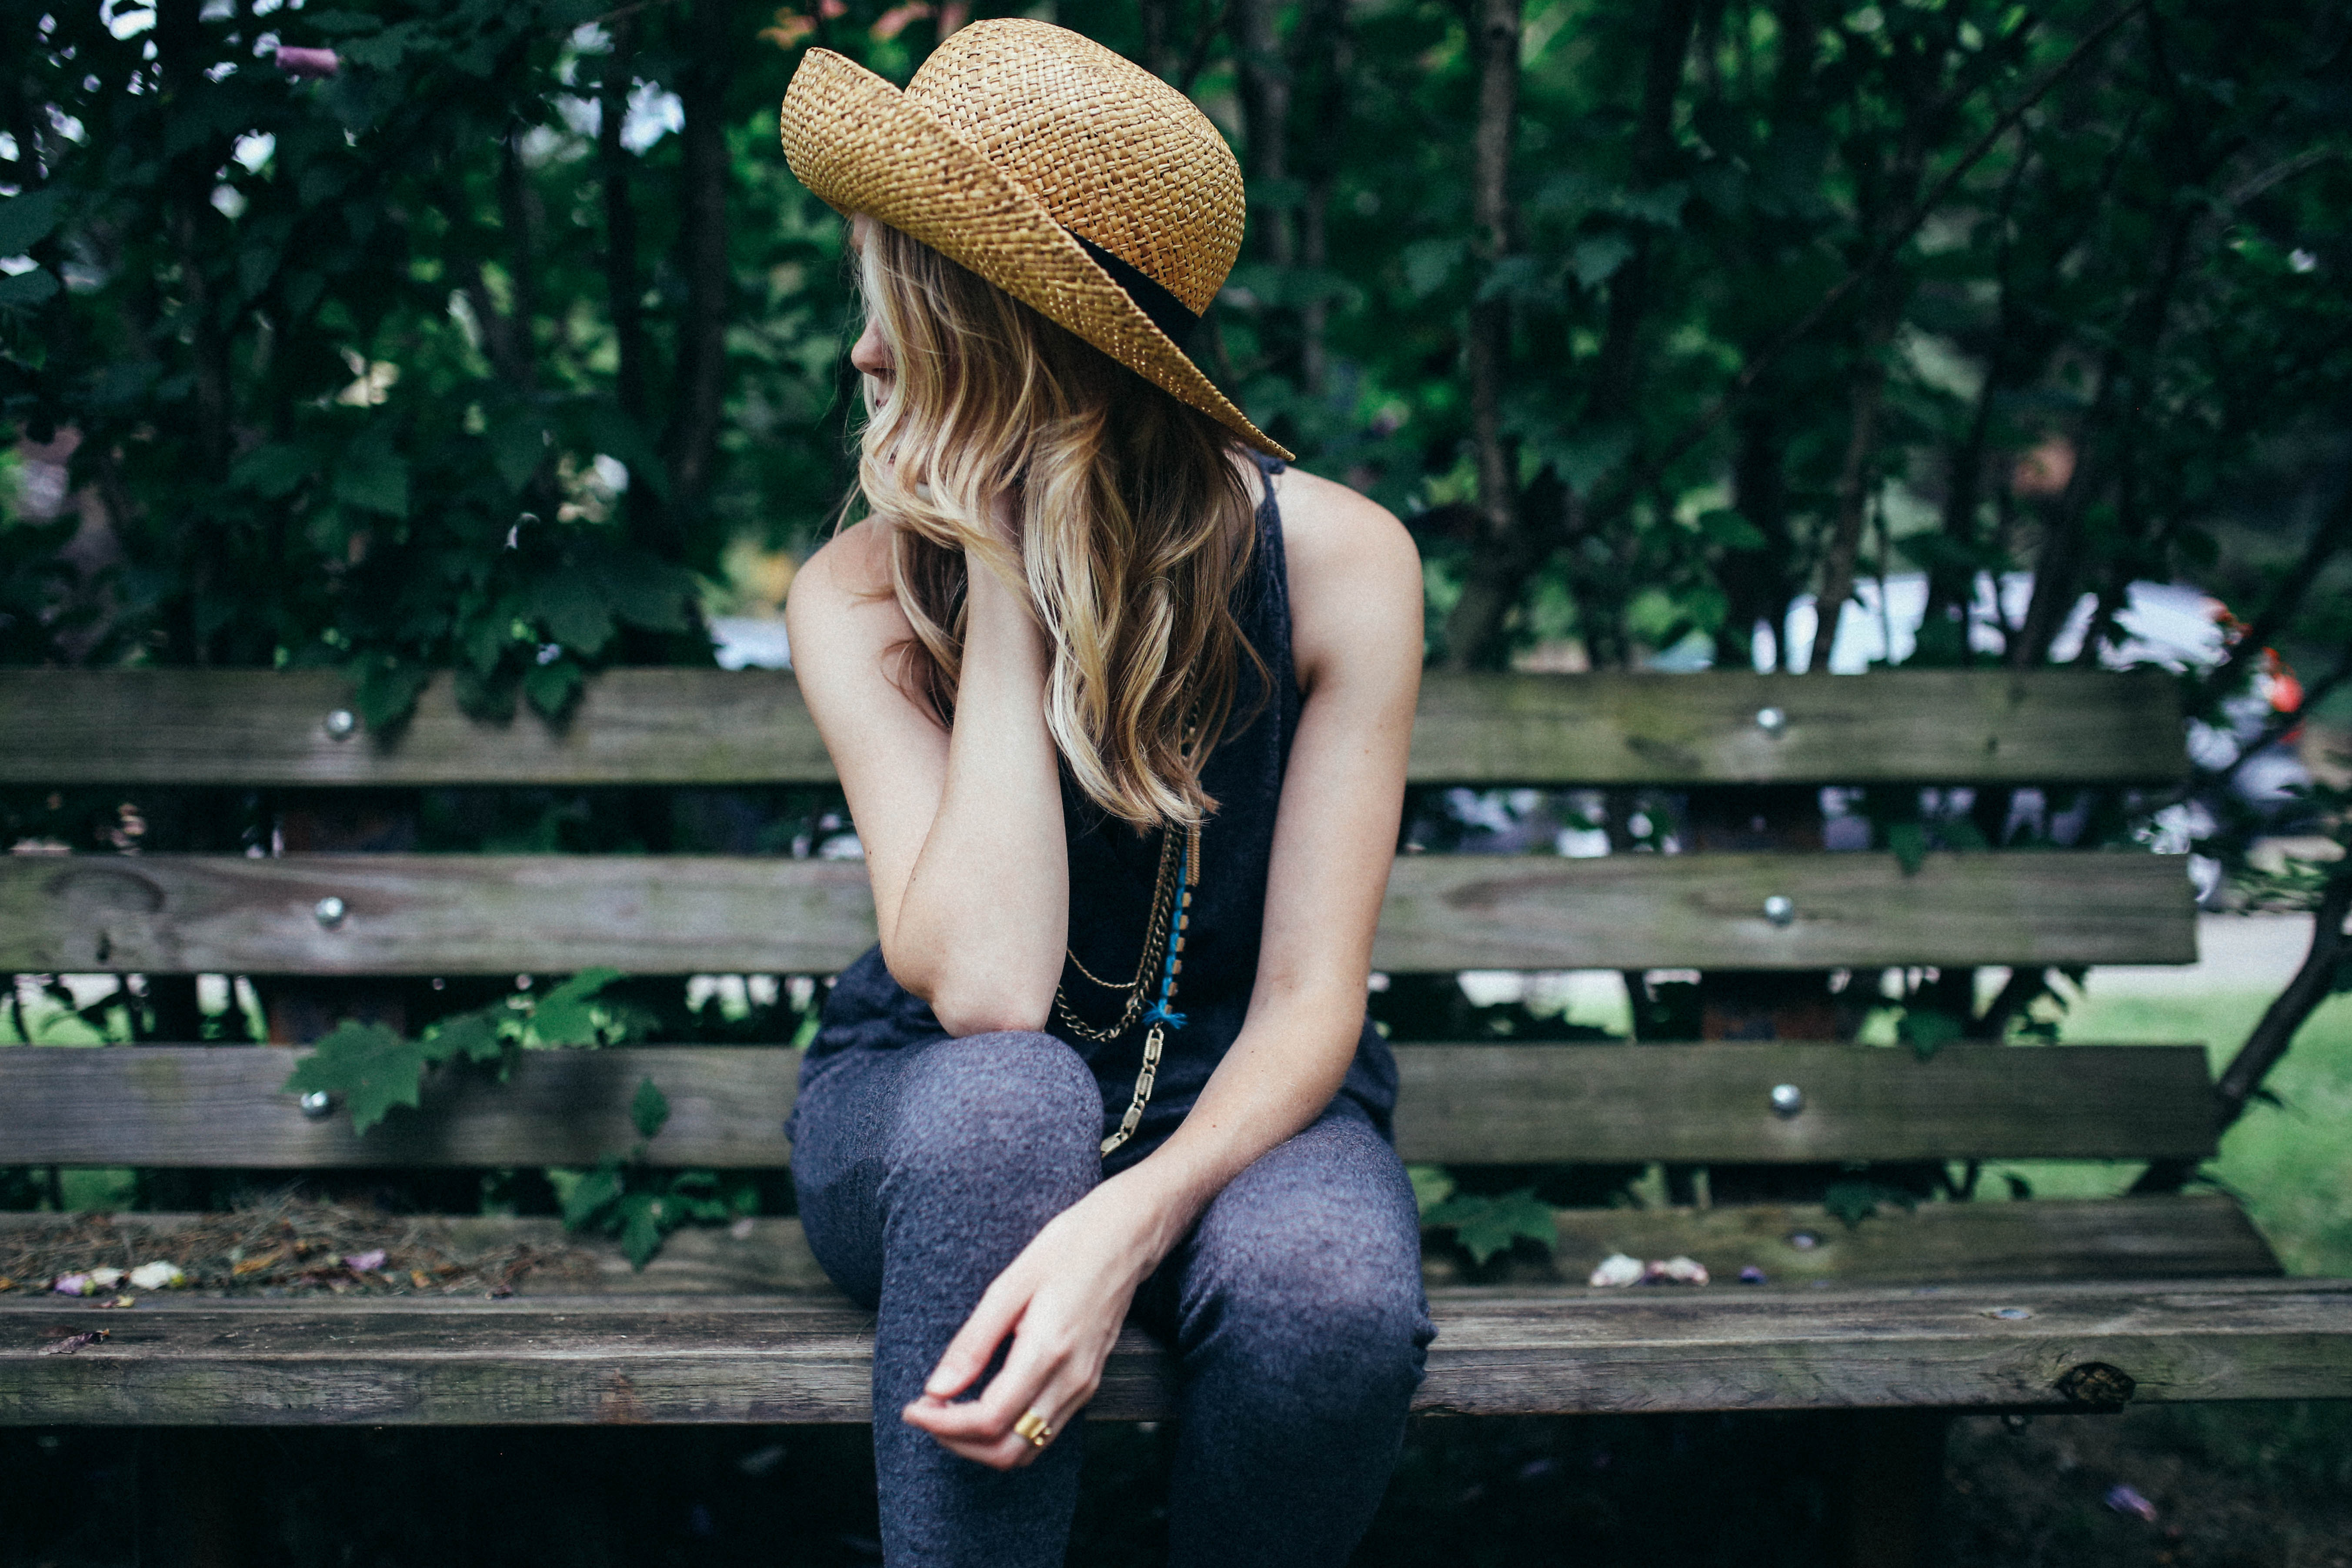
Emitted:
<point x="862" y="147"/>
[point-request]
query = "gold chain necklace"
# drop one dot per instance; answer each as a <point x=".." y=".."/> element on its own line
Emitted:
<point x="1163" y="952"/>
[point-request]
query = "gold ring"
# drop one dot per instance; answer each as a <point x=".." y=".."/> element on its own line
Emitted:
<point x="1033" y="1426"/>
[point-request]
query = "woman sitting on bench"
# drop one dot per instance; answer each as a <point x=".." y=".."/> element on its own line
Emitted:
<point x="1121" y="708"/>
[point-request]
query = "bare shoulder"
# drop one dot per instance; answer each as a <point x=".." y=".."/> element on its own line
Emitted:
<point x="841" y="597"/>
<point x="1355" y="575"/>
<point x="1328" y="528"/>
<point x="853" y="565"/>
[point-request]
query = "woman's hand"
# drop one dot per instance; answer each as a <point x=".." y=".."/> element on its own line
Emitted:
<point x="1063" y="1300"/>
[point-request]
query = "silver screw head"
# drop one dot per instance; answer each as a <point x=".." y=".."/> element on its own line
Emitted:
<point x="1779" y="908"/>
<point x="1788" y="1098"/>
<point x="318" y="1105"/>
<point x="342" y="724"/>
<point x="329" y="912"/>
<point x="1771" y="720"/>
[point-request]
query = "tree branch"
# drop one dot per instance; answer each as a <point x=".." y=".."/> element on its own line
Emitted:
<point x="1698" y="429"/>
<point x="690" y="445"/>
<point x="2282" y="725"/>
<point x="1203" y="41"/>
<point x="1266" y="117"/>
<point x="623" y="295"/>
<point x="1471" y="630"/>
<point x="2313" y="984"/>
<point x="2333" y="533"/>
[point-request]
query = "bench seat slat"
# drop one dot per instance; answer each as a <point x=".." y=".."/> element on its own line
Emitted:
<point x="717" y="727"/>
<point x="457" y="914"/>
<point x="223" y="1106"/>
<point x="2173" y="1237"/>
<point x="2197" y="1236"/>
<point x="533" y="1360"/>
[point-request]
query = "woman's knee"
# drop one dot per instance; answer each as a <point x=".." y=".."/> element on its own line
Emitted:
<point x="1334" y="1358"/>
<point x="1008" y="1106"/>
<point x="1330" y="1331"/>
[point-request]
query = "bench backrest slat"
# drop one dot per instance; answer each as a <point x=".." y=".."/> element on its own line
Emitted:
<point x="717" y="727"/>
<point x="418" y="914"/>
<point x="224" y="1107"/>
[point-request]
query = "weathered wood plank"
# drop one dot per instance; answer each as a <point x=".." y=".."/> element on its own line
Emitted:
<point x="223" y="1106"/>
<point x="266" y="728"/>
<point x="1599" y="1104"/>
<point x="1707" y="911"/>
<point x="2205" y="1235"/>
<point x="2171" y="1237"/>
<point x="581" y="1361"/>
<point x="453" y="914"/>
<point x="1891" y="726"/>
<point x="712" y="727"/>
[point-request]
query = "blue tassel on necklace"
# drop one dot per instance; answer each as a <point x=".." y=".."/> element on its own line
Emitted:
<point x="1160" y="1012"/>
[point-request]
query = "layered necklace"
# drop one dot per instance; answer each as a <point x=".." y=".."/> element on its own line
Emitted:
<point x="1163" y="955"/>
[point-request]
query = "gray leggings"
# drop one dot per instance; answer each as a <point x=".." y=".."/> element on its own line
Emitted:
<point x="1294" y="1306"/>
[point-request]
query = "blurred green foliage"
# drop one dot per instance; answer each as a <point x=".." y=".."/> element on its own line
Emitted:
<point x="482" y="351"/>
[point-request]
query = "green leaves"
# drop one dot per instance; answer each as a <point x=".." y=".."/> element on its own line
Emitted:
<point x="1432" y="1185"/>
<point x="272" y="470"/>
<point x="1594" y="261"/>
<point x="649" y="1110"/>
<point x="372" y="477"/>
<point x="622" y="1197"/>
<point x="1907" y="841"/>
<point x="26" y="220"/>
<point x="1926" y="1031"/>
<point x="1428" y="263"/>
<point x="569" y="1015"/>
<point x="28" y="287"/>
<point x="385" y="690"/>
<point x="1482" y="1223"/>
<point x="518" y="446"/>
<point x="1486" y="1226"/>
<point x="1856" y="1200"/>
<point x="374" y="1069"/>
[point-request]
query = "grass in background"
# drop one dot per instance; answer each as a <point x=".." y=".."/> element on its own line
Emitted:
<point x="2291" y="1163"/>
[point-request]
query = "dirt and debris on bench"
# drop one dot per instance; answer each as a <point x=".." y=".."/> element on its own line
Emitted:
<point x="280" y="1245"/>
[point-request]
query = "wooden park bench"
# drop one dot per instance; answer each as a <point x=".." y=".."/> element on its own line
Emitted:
<point x="1895" y="1322"/>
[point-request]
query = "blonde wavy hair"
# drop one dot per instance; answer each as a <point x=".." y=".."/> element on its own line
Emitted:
<point x="1135" y="526"/>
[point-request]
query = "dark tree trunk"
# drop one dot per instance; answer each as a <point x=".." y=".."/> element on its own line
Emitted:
<point x="691" y="446"/>
<point x="1617" y="373"/>
<point x="1264" y="79"/>
<point x="2314" y="983"/>
<point x="1324" y="58"/>
<point x="624" y="294"/>
<point x="1474" y="632"/>
<point x="1758" y="584"/>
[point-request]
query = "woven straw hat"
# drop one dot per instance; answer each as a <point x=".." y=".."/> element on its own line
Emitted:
<point x="1077" y="183"/>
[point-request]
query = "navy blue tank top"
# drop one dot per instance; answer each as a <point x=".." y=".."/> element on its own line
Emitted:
<point x="1113" y="871"/>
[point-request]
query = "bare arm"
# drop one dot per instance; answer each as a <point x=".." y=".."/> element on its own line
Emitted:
<point x="1356" y="640"/>
<point x="962" y="830"/>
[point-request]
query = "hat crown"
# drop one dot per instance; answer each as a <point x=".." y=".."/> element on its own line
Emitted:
<point x="1115" y="154"/>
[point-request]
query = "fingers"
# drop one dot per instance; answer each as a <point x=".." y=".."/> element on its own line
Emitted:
<point x="966" y="1430"/>
<point x="968" y="1355"/>
<point x="1019" y="1386"/>
<point x="1049" y="1372"/>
